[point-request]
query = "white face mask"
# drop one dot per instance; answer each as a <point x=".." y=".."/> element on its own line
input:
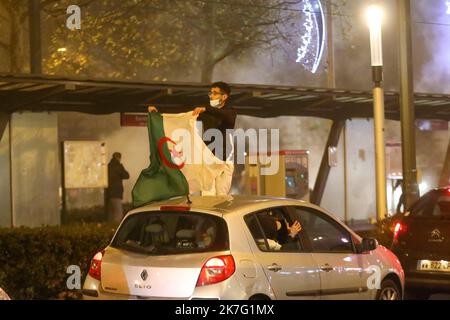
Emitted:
<point x="214" y="103"/>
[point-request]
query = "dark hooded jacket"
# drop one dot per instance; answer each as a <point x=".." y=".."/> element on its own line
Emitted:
<point x="116" y="173"/>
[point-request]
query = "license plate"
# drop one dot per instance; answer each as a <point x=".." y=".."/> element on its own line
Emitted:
<point x="429" y="265"/>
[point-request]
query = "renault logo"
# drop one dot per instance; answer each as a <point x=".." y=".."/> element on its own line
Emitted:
<point x="144" y="275"/>
<point x="435" y="236"/>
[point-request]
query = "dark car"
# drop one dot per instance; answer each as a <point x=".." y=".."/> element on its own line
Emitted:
<point x="421" y="241"/>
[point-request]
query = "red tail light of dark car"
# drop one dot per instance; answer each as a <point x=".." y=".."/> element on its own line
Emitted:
<point x="400" y="228"/>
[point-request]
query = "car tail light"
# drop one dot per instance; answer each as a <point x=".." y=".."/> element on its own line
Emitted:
<point x="399" y="229"/>
<point x="95" y="270"/>
<point x="216" y="269"/>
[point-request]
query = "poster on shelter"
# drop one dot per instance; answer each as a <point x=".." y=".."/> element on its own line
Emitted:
<point x="394" y="161"/>
<point x="85" y="164"/>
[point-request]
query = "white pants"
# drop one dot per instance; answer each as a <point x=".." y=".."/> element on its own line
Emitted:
<point x="222" y="184"/>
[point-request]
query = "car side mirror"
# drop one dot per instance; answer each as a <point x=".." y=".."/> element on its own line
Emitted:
<point x="367" y="244"/>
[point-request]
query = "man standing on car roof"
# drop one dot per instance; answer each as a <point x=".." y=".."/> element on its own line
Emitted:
<point x="218" y="115"/>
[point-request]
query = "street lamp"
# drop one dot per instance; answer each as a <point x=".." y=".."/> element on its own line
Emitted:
<point x="374" y="19"/>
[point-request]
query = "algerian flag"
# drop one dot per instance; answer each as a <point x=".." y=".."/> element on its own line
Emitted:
<point x="180" y="162"/>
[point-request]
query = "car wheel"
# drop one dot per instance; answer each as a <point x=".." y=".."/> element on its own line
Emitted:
<point x="389" y="291"/>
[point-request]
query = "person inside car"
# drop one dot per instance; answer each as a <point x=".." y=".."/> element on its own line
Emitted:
<point x="278" y="231"/>
<point x="206" y="234"/>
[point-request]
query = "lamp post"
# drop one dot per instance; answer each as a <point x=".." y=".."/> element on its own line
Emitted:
<point x="407" y="110"/>
<point x="374" y="19"/>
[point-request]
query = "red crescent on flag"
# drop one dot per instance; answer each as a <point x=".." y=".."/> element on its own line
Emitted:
<point x="166" y="162"/>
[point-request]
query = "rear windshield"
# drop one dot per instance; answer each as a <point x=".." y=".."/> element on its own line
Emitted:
<point x="442" y="207"/>
<point x="164" y="233"/>
<point x="434" y="205"/>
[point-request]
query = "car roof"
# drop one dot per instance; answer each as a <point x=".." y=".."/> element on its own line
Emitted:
<point x="224" y="205"/>
<point x="236" y="204"/>
<point x="438" y="190"/>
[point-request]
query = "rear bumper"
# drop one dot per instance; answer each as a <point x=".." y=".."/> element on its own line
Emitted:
<point x="226" y="290"/>
<point x="429" y="283"/>
<point x="422" y="279"/>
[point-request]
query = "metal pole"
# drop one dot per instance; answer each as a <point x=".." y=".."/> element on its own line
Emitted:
<point x="345" y="174"/>
<point x="407" y="113"/>
<point x="324" y="170"/>
<point x="64" y="214"/>
<point x="380" y="158"/>
<point x="34" y="13"/>
<point x="4" y="119"/>
<point x="331" y="81"/>
<point x="11" y="180"/>
<point x="376" y="48"/>
<point x="445" y="174"/>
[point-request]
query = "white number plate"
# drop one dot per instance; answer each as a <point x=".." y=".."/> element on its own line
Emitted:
<point x="428" y="265"/>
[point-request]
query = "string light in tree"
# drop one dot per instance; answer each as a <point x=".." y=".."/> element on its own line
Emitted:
<point x="306" y="37"/>
<point x="312" y="39"/>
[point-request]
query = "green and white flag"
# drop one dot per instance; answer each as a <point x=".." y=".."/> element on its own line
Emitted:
<point x="180" y="162"/>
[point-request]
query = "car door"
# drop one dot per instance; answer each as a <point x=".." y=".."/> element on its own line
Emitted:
<point x="291" y="272"/>
<point x="332" y="248"/>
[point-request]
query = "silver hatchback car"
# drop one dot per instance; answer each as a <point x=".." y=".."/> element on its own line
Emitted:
<point x="226" y="248"/>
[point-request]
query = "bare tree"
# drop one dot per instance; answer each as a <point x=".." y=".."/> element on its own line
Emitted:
<point x="160" y="36"/>
<point x="13" y="15"/>
<point x="151" y="39"/>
